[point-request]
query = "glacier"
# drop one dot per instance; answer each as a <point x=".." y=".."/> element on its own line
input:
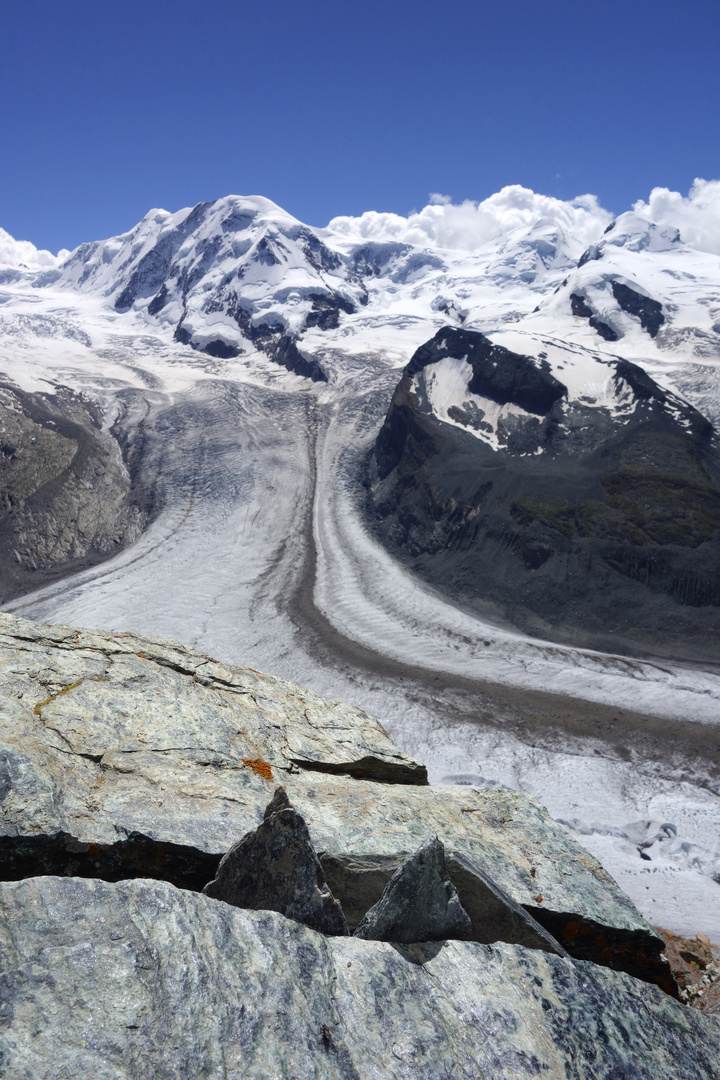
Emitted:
<point x="257" y="357"/>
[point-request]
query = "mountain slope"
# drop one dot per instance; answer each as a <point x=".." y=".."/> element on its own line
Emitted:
<point x="226" y="276"/>
<point x="593" y="519"/>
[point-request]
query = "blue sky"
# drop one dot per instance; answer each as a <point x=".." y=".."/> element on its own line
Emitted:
<point x="335" y="108"/>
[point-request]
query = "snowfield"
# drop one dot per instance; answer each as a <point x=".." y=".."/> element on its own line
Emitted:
<point x="260" y="554"/>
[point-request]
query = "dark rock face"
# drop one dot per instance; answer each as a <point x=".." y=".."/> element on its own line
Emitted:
<point x="580" y="306"/>
<point x="276" y="868"/>
<point x="221" y="350"/>
<point x="582" y="310"/>
<point x="579" y="528"/>
<point x="326" y="310"/>
<point x="420" y="903"/>
<point x="67" y="499"/>
<point x="60" y="854"/>
<point x="584" y="939"/>
<point x="498" y="374"/>
<point x="604" y="329"/>
<point x="503" y="376"/>
<point x="644" y="308"/>
<point x="287" y="353"/>
<point x="593" y="253"/>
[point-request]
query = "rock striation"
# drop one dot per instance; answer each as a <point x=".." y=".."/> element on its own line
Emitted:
<point x="141" y="981"/>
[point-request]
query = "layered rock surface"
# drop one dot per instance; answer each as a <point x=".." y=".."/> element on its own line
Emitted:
<point x="139" y="980"/>
<point x="125" y="756"/>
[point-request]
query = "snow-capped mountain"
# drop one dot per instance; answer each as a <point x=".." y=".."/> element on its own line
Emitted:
<point x="194" y="408"/>
<point x="569" y="491"/>
<point x="226" y="277"/>
<point x="642" y="286"/>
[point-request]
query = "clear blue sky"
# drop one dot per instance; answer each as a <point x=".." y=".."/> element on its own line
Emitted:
<point x="110" y="108"/>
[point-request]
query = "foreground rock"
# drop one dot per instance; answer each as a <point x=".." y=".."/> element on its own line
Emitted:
<point x="419" y="903"/>
<point x="140" y="981"/>
<point x="276" y="868"/>
<point x="125" y="756"/>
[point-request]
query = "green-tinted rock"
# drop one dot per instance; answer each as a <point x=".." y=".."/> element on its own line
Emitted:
<point x="140" y="981"/>
<point x="123" y="756"/>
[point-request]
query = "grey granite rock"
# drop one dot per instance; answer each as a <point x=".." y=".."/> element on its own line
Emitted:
<point x="141" y="981"/>
<point x="275" y="868"/>
<point x="123" y="756"/>
<point x="419" y="903"/>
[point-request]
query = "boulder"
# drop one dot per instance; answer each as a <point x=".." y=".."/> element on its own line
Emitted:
<point x="275" y="868"/>
<point x="141" y="981"/>
<point x="419" y="903"/>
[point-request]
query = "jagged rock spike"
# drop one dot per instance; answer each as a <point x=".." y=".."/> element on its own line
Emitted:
<point x="279" y="801"/>
<point x="419" y="903"/>
<point x="276" y="868"/>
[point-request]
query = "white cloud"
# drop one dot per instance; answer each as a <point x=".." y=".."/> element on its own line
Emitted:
<point x="697" y="216"/>
<point x="470" y="225"/>
<point x="17" y="253"/>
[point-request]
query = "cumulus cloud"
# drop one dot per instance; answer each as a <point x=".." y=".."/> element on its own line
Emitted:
<point x="469" y="225"/>
<point x="16" y="253"/>
<point x="697" y="216"/>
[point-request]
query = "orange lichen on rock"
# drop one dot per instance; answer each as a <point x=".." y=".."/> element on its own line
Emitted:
<point x="262" y="768"/>
<point x="65" y="690"/>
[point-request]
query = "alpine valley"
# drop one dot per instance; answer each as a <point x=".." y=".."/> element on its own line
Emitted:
<point x="471" y="488"/>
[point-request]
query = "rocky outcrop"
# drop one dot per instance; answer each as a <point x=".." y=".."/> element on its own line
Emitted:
<point x="643" y="307"/>
<point x="596" y="525"/>
<point x="276" y="868"/>
<point x="419" y="903"/>
<point x="156" y="879"/>
<point x="140" y="981"/>
<point x="126" y="756"/>
<point x="67" y="500"/>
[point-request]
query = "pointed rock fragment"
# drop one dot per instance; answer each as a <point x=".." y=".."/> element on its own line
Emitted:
<point x="419" y="903"/>
<point x="276" y="868"/>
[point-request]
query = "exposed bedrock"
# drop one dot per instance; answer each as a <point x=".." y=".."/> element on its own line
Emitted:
<point x="582" y="526"/>
<point x="67" y="497"/>
<point x="125" y="756"/>
<point x="644" y="308"/>
<point x="143" y="982"/>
